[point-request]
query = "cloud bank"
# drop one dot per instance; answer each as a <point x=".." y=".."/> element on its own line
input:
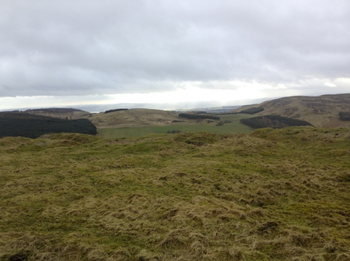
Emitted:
<point x="86" y="48"/>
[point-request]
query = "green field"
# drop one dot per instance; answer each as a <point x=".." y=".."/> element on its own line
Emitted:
<point x="234" y="127"/>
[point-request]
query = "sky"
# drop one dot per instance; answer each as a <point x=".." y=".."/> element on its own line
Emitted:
<point x="171" y="53"/>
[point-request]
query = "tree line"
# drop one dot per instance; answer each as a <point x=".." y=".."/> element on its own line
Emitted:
<point x="18" y="124"/>
<point x="198" y="116"/>
<point x="344" y="116"/>
<point x="273" y="121"/>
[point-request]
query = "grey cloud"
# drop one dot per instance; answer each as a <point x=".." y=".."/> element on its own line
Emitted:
<point x="101" y="47"/>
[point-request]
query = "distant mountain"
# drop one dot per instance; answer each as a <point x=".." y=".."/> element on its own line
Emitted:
<point x="320" y="111"/>
<point x="62" y="113"/>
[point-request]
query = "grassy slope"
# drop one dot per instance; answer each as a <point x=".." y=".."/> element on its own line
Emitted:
<point x="187" y="126"/>
<point x="133" y="118"/>
<point x="271" y="195"/>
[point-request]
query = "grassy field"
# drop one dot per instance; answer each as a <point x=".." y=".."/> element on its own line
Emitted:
<point x="270" y="195"/>
<point x="234" y="127"/>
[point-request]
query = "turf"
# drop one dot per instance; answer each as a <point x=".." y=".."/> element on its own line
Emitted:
<point x="270" y="195"/>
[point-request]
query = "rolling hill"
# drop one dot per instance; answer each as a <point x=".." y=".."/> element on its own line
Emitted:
<point x="121" y="123"/>
<point x="134" y="118"/>
<point x="62" y="113"/>
<point x="320" y="111"/>
<point x="142" y="122"/>
<point x="117" y="118"/>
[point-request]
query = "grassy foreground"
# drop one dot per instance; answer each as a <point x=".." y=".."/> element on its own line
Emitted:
<point x="271" y="195"/>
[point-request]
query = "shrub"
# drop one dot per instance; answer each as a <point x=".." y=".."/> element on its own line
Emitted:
<point x="174" y="131"/>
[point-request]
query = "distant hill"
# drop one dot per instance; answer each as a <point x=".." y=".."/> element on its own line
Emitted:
<point x="62" y="113"/>
<point x="134" y="118"/>
<point x="33" y="126"/>
<point x="320" y="111"/>
<point x="124" y="122"/>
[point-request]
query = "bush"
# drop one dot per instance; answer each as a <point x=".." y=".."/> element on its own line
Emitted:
<point x="174" y="131"/>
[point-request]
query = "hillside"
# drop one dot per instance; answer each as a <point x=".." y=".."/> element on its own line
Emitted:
<point x="278" y="194"/>
<point x="320" y="111"/>
<point x="121" y="123"/>
<point x="133" y="118"/>
<point x="143" y="122"/>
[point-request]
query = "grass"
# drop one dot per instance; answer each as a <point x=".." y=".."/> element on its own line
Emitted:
<point x="126" y="132"/>
<point x="270" y="195"/>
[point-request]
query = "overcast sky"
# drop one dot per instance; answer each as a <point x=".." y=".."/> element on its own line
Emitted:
<point x="71" y="52"/>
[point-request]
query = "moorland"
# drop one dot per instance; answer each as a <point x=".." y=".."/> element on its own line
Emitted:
<point x="275" y="194"/>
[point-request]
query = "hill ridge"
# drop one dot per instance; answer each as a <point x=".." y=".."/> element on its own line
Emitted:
<point x="320" y="111"/>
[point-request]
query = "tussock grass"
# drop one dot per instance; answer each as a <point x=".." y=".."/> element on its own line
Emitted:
<point x="271" y="195"/>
